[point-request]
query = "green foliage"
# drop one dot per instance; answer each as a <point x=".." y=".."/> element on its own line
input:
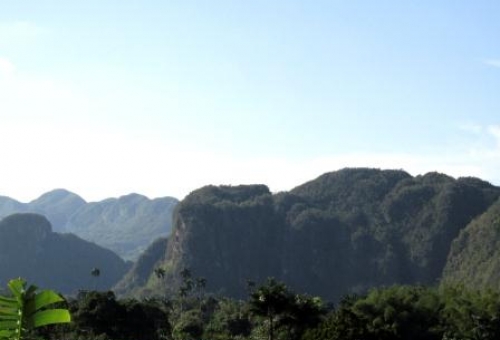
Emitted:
<point x="221" y="232"/>
<point x="270" y="301"/>
<point x="345" y="232"/>
<point x="343" y="323"/>
<point x="100" y="314"/>
<point x="284" y="310"/>
<point x="413" y="312"/>
<point x="273" y="311"/>
<point x="230" y="319"/>
<point x="231" y="194"/>
<point x="135" y="280"/>
<point x="475" y="255"/>
<point x="189" y="326"/>
<point x="400" y="312"/>
<point x="28" y="309"/>
<point x="470" y="314"/>
<point x="126" y="225"/>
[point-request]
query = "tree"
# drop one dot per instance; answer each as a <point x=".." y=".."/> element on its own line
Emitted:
<point x="401" y="312"/>
<point x="95" y="272"/>
<point x="99" y="315"/>
<point x="302" y="312"/>
<point x="201" y="283"/>
<point x="189" y="326"/>
<point x="228" y="321"/>
<point x="270" y="301"/>
<point x="94" y="311"/>
<point x="185" y="274"/>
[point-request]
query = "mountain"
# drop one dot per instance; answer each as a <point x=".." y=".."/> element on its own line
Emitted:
<point x="137" y="277"/>
<point x="475" y="255"/>
<point x="126" y="225"/>
<point x="30" y="249"/>
<point x="58" y="206"/>
<point x="9" y="205"/>
<point x="344" y="232"/>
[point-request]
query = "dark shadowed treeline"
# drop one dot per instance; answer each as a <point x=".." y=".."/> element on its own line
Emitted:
<point x="273" y="311"/>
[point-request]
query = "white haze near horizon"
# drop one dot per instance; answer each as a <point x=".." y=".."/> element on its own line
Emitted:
<point x="114" y="164"/>
<point x="245" y="98"/>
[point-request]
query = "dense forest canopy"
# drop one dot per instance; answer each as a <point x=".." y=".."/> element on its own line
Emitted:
<point x="345" y="232"/>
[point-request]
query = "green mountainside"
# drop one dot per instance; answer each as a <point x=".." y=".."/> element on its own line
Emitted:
<point x="475" y="255"/>
<point x="126" y="225"/>
<point x="344" y="232"/>
<point x="57" y="205"/>
<point x="137" y="277"/>
<point x="31" y="250"/>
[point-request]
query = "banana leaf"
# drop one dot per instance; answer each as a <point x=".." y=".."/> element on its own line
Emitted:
<point x="28" y="309"/>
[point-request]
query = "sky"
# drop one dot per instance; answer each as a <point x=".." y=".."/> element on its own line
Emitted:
<point x="105" y="98"/>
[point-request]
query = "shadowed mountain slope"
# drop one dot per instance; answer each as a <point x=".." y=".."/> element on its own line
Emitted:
<point x="126" y="225"/>
<point x="29" y="249"/>
<point x="346" y="231"/>
<point x="475" y="255"/>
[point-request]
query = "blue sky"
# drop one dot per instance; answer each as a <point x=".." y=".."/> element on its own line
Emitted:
<point x="161" y="97"/>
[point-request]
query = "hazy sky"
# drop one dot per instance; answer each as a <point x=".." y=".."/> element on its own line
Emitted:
<point x="105" y="97"/>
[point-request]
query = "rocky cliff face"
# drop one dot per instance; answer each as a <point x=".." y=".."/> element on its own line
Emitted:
<point x="137" y="277"/>
<point x="346" y="231"/>
<point x="228" y="235"/>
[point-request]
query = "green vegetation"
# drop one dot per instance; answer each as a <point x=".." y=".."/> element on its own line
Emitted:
<point x="413" y="312"/>
<point x="126" y="225"/>
<point x="29" y="249"/>
<point x="57" y="205"/>
<point x="474" y="258"/>
<point x="342" y="233"/>
<point x="137" y="276"/>
<point x="273" y="311"/>
<point x="284" y="310"/>
<point x="399" y="257"/>
<point x="27" y="309"/>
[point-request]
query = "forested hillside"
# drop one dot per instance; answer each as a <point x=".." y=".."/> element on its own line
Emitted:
<point x="126" y="225"/>
<point x="344" y="232"/>
<point x="64" y="262"/>
<point x="475" y="255"/>
<point x="137" y="276"/>
<point x="57" y="205"/>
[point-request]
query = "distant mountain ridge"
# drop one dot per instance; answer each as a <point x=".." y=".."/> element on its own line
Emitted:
<point x="126" y="225"/>
<point x="30" y="249"/>
<point x="57" y="205"/>
<point x="344" y="232"/>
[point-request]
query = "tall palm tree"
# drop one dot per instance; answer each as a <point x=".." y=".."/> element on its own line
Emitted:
<point x="95" y="272"/>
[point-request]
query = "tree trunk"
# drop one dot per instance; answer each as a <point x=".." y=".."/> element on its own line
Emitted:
<point x="271" y="328"/>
